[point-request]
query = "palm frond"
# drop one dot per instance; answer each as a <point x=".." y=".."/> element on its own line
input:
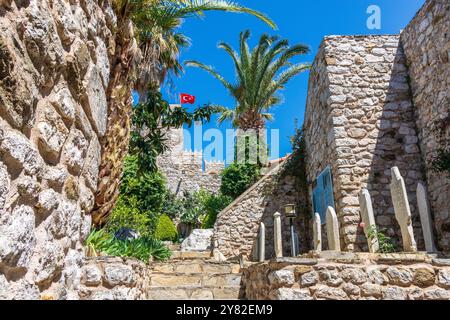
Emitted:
<point x="225" y="83"/>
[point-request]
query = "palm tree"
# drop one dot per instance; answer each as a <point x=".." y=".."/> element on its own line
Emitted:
<point x="148" y="25"/>
<point x="157" y="22"/>
<point x="261" y="73"/>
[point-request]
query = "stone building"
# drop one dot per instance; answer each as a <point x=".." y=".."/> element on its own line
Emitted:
<point x="374" y="102"/>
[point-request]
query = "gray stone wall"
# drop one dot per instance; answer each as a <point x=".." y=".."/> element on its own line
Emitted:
<point x="369" y="277"/>
<point x="184" y="169"/>
<point x="111" y="278"/>
<point x="237" y="226"/>
<point x="359" y="121"/>
<point x="426" y="43"/>
<point x="54" y="66"/>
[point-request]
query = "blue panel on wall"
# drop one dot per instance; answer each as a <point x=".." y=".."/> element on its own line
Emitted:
<point x="323" y="194"/>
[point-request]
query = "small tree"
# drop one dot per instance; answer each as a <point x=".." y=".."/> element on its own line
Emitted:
<point x="238" y="177"/>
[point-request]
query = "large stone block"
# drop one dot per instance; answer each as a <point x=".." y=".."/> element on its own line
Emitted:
<point x="18" y="153"/>
<point x="75" y="150"/>
<point x="94" y="100"/>
<point x="199" y="240"/>
<point x="17" y="239"/>
<point x="50" y="262"/>
<point x="119" y="275"/>
<point x="52" y="133"/>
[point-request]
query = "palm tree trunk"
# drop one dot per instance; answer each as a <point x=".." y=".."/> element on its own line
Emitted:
<point x="115" y="142"/>
<point x="252" y="125"/>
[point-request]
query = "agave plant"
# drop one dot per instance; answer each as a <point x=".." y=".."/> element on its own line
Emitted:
<point x="100" y="242"/>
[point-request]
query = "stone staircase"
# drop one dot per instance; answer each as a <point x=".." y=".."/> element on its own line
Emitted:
<point x="194" y="276"/>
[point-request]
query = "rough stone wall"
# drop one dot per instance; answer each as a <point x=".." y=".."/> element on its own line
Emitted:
<point x="237" y="227"/>
<point x="359" y="120"/>
<point x="54" y="70"/>
<point x="184" y="169"/>
<point x="376" y="278"/>
<point x="111" y="278"/>
<point x="426" y="42"/>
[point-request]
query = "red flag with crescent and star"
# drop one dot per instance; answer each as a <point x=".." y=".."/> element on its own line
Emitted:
<point x="187" y="98"/>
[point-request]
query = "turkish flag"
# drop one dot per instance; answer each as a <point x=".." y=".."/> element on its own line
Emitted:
<point x="187" y="98"/>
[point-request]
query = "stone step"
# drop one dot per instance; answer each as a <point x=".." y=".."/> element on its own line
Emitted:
<point x="196" y="266"/>
<point x="195" y="293"/>
<point x="194" y="279"/>
<point x="190" y="255"/>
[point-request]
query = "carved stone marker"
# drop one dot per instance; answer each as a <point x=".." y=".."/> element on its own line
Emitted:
<point x="277" y="235"/>
<point x="425" y="218"/>
<point x="402" y="210"/>
<point x="365" y="204"/>
<point x="317" y="233"/>
<point x="334" y="242"/>
<point x="262" y="243"/>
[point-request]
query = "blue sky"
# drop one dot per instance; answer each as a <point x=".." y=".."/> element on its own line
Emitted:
<point x="304" y="22"/>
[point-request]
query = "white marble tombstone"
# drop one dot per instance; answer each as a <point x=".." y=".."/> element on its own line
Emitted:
<point x="402" y="210"/>
<point x="334" y="242"/>
<point x="425" y="218"/>
<point x="277" y="235"/>
<point x="317" y="233"/>
<point x="262" y="243"/>
<point x="367" y="216"/>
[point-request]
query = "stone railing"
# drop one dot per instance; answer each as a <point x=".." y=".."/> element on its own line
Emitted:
<point x="349" y="276"/>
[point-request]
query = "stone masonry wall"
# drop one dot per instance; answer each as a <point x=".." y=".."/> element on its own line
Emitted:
<point x="359" y="121"/>
<point x="237" y="227"/>
<point x="426" y="42"/>
<point x="111" y="278"/>
<point x="383" y="277"/>
<point x="54" y="70"/>
<point x="184" y="169"/>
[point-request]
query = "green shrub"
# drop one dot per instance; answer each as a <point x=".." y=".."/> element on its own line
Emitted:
<point x="140" y="201"/>
<point x="213" y="205"/>
<point x="237" y="178"/>
<point x="173" y="206"/>
<point x="165" y="229"/>
<point x="102" y="242"/>
<point x="193" y="209"/>
<point x="386" y="244"/>
<point x="127" y="215"/>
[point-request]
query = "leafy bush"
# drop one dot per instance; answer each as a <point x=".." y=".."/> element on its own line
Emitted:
<point x="127" y="215"/>
<point x="165" y="229"/>
<point x="140" y="202"/>
<point x="386" y="244"/>
<point x="193" y="209"/>
<point x="150" y="122"/>
<point x="102" y="242"/>
<point x="213" y="205"/>
<point x="173" y="206"/>
<point x="237" y="178"/>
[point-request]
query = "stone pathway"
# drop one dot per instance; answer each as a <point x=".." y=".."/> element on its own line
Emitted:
<point x="194" y="276"/>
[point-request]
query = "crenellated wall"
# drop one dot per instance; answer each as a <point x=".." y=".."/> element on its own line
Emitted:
<point x="55" y="64"/>
<point x="186" y="171"/>
<point x="426" y="43"/>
